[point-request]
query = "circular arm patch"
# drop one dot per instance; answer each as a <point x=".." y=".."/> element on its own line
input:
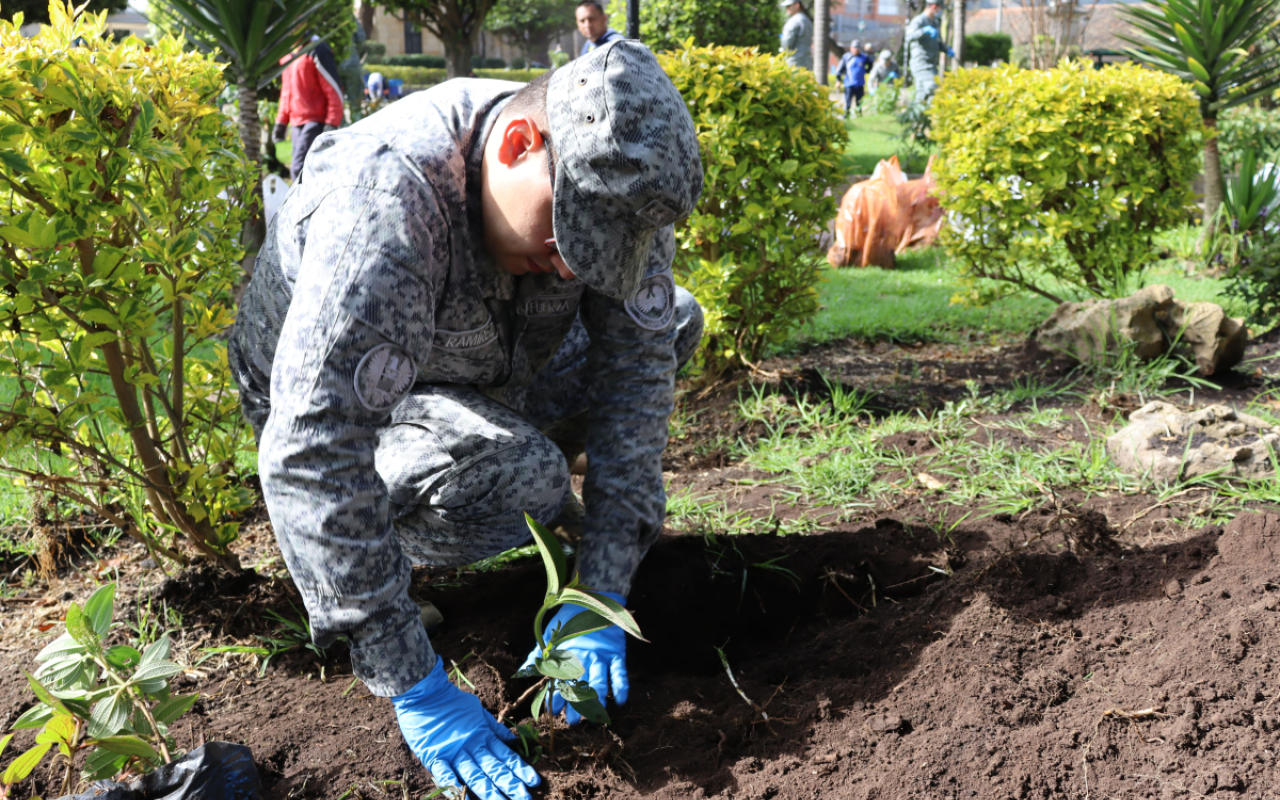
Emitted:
<point x="654" y="305"/>
<point x="383" y="377"/>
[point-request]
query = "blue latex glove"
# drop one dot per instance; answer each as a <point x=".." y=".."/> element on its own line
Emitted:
<point x="459" y="742"/>
<point x="603" y="654"/>
<point x="930" y="31"/>
<point x="950" y="53"/>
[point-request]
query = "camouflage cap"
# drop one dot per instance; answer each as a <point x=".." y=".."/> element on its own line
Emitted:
<point x="626" y="163"/>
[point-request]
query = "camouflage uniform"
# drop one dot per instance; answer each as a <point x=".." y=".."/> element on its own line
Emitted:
<point x="397" y="378"/>
<point x="924" y="44"/>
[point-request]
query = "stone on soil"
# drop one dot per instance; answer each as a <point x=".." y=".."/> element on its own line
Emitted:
<point x="1167" y="445"/>
<point x="1151" y="319"/>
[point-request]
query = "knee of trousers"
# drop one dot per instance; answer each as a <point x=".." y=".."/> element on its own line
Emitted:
<point x="689" y="322"/>
<point x="494" y="488"/>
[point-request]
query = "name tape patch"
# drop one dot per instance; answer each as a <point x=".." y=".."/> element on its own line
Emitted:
<point x="384" y="376"/>
<point x="654" y="305"/>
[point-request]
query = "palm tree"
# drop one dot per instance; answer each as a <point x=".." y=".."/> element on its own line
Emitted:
<point x="1213" y="45"/>
<point x="253" y="36"/>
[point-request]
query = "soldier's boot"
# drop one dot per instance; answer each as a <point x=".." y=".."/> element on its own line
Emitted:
<point x="568" y="434"/>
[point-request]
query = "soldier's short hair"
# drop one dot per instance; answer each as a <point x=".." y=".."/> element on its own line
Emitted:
<point x="595" y="3"/>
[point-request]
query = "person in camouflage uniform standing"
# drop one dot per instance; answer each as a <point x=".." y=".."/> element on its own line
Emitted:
<point x="476" y="264"/>
<point x="924" y="43"/>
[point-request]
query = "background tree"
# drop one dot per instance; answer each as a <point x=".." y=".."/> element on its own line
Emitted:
<point x="38" y="10"/>
<point x="252" y="36"/>
<point x="531" y="24"/>
<point x="1211" y="44"/>
<point x="666" y="24"/>
<point x="456" y="23"/>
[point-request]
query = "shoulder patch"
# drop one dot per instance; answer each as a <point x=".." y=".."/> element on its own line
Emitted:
<point x="384" y="376"/>
<point x="654" y="305"/>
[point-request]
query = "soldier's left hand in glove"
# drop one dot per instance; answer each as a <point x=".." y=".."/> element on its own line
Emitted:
<point x="459" y="742"/>
<point x="603" y="654"/>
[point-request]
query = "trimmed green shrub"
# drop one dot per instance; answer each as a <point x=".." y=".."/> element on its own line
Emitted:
<point x="119" y="254"/>
<point x="413" y="60"/>
<point x="517" y="63"/>
<point x="1245" y="127"/>
<point x="480" y="62"/>
<point x="985" y="49"/>
<point x="667" y="24"/>
<point x="771" y="143"/>
<point x="1084" y="167"/>
<point x="422" y="77"/>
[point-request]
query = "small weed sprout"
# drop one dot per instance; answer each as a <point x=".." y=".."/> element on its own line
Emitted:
<point x="112" y="702"/>
<point x="560" y="669"/>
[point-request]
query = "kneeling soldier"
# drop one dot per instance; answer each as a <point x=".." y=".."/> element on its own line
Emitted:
<point x="452" y="278"/>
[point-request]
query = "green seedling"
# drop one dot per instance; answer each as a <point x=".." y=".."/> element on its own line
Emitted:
<point x="111" y="702"/>
<point x="560" y="670"/>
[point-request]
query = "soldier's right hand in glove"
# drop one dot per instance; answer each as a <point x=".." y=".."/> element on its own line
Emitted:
<point x="459" y="742"/>
<point x="281" y="131"/>
<point x="930" y="31"/>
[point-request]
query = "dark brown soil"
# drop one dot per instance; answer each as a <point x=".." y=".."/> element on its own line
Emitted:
<point x="1090" y="648"/>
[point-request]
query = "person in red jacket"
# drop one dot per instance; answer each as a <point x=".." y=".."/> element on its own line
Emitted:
<point x="310" y="100"/>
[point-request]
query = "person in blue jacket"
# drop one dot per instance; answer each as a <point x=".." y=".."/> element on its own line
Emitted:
<point x="853" y="69"/>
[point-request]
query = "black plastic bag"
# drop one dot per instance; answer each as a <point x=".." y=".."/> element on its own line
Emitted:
<point x="215" y="771"/>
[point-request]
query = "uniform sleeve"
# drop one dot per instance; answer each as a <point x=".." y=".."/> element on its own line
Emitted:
<point x="915" y="29"/>
<point x="342" y="364"/>
<point x="791" y="35"/>
<point x="330" y="83"/>
<point x="632" y="362"/>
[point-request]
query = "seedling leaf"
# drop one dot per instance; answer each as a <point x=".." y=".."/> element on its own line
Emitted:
<point x="128" y="746"/>
<point x="79" y="628"/>
<point x="605" y="607"/>
<point x="33" y="717"/>
<point x="43" y="694"/>
<point x="156" y="669"/>
<point x="538" y="698"/>
<point x="5" y="742"/>
<point x="561" y="665"/>
<point x="527" y="671"/>
<point x="109" y="716"/>
<point x="102" y="763"/>
<point x="65" y="646"/>
<point x="552" y="557"/>
<point x="578" y="625"/>
<point x="156" y="651"/>
<point x="25" y="763"/>
<point x="169" y="710"/>
<point x="576" y="691"/>
<point x="99" y="608"/>
<point x="122" y="656"/>
<point x="591" y="710"/>
<point x="60" y="730"/>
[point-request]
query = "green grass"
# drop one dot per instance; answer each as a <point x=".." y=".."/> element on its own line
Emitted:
<point x="876" y="137"/>
<point x="913" y="303"/>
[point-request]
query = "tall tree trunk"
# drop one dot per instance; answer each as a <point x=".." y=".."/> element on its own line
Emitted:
<point x="1212" y="181"/>
<point x="457" y="55"/>
<point x="821" y="27"/>
<point x="255" y="228"/>
<point x="366" y="18"/>
<point x="957" y="27"/>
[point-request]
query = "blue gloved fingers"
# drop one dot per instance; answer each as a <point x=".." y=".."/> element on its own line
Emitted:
<point x="571" y="715"/>
<point x="501" y="774"/>
<point x="477" y="781"/>
<point x="598" y="677"/>
<point x="501" y="731"/>
<point x="557" y="702"/>
<point x="517" y="765"/>
<point x="620" y="680"/>
<point x="444" y="775"/>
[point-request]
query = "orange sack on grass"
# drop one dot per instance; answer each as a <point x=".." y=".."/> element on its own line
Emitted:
<point x="882" y="216"/>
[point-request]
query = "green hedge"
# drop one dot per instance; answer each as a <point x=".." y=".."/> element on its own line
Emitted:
<point x="426" y="76"/>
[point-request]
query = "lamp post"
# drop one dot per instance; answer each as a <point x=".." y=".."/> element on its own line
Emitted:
<point x="633" y="19"/>
<point x="821" y="30"/>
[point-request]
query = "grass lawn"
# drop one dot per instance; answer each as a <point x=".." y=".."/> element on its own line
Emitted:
<point x="876" y="137"/>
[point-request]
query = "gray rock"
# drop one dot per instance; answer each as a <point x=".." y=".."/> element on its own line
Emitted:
<point x="1153" y="320"/>
<point x="1167" y="445"/>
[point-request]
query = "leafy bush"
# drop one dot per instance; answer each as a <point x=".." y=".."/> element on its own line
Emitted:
<point x="884" y="100"/>
<point x="119" y="251"/>
<point x="492" y="62"/>
<point x="112" y="703"/>
<point x="985" y="49"/>
<point x="373" y="52"/>
<point x="667" y="24"/>
<point x="771" y="142"/>
<point x="1084" y="168"/>
<point x="1245" y="127"/>
<point x="413" y="60"/>
<point x="517" y="63"/>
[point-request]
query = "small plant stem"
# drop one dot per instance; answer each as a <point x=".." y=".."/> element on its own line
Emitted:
<point x="551" y="730"/>
<point x="502" y="714"/>
<point x="66" y="776"/>
<point x="140" y="703"/>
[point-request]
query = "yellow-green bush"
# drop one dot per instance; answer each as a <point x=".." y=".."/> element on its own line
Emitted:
<point x="771" y="142"/>
<point x="1066" y="172"/>
<point x="119" y="254"/>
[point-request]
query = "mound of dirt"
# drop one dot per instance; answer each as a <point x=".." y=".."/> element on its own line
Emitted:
<point x="1032" y="658"/>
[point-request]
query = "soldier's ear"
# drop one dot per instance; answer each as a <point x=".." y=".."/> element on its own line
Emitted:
<point x="519" y="137"/>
